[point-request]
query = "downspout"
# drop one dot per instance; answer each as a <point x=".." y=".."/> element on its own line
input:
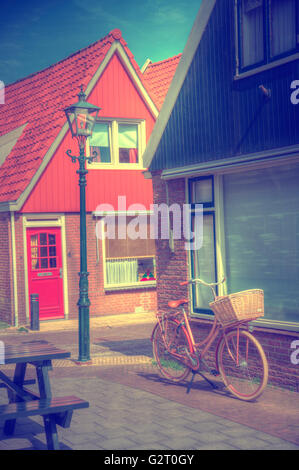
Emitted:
<point x="14" y="267"/>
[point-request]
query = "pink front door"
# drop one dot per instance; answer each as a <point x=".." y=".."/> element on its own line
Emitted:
<point x="45" y="270"/>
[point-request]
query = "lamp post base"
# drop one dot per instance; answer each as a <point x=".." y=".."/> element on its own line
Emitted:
<point x="83" y="304"/>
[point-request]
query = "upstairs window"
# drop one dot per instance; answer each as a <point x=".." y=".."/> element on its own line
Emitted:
<point x="117" y="143"/>
<point x="268" y="30"/>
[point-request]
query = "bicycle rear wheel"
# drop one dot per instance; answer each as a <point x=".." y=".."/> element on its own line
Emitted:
<point x="242" y="364"/>
<point x="175" y="340"/>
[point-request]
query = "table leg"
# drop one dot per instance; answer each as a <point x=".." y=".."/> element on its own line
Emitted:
<point x="51" y="432"/>
<point x="45" y="392"/>
<point x="19" y="377"/>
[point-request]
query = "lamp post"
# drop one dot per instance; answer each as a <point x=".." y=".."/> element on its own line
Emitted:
<point x="81" y="118"/>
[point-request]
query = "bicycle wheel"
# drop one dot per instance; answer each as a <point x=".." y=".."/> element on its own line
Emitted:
<point x="174" y="339"/>
<point x="242" y="364"/>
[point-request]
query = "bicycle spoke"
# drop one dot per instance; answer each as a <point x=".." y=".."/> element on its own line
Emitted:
<point x="168" y="348"/>
<point x="242" y="364"/>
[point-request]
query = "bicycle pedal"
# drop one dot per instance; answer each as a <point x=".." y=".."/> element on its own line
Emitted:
<point x="214" y="372"/>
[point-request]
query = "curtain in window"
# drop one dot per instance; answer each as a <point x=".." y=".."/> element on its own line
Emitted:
<point x="99" y="142"/>
<point x="283" y="26"/>
<point x="123" y="271"/>
<point x="127" y="143"/>
<point x="252" y="32"/>
<point x="261" y="222"/>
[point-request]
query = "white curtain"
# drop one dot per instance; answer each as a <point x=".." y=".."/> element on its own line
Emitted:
<point x="283" y="26"/>
<point x="123" y="271"/>
<point x="252" y="32"/>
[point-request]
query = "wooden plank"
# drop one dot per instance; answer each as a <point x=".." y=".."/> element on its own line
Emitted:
<point x="41" y="407"/>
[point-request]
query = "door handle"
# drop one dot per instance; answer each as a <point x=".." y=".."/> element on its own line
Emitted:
<point x="60" y="273"/>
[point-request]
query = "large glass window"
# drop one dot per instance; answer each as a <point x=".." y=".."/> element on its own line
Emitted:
<point x="257" y="239"/>
<point x="261" y="223"/>
<point x="268" y="30"/>
<point x="203" y="260"/>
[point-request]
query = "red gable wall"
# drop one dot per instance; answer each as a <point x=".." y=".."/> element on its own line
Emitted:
<point x="57" y="189"/>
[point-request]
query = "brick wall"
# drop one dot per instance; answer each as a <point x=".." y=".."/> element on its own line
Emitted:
<point x="6" y="293"/>
<point x="173" y="267"/>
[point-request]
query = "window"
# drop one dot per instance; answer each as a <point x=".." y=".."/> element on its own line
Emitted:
<point x="129" y="261"/>
<point x="255" y="234"/>
<point x="202" y="192"/>
<point x="268" y="30"/>
<point x="99" y="143"/>
<point x="117" y="144"/>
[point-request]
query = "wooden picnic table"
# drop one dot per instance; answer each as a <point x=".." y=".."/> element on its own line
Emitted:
<point x="23" y="401"/>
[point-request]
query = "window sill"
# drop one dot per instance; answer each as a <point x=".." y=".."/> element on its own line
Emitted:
<point x="270" y="326"/>
<point x="139" y="285"/>
<point x="108" y="166"/>
<point x="266" y="67"/>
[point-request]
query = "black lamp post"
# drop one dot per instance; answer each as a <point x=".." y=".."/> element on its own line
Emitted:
<point x="81" y="118"/>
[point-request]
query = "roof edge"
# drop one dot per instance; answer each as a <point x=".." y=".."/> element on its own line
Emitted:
<point x="194" y="39"/>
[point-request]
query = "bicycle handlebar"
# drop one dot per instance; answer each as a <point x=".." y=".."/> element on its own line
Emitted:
<point x="200" y="281"/>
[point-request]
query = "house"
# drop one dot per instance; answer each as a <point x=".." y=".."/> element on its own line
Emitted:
<point x="39" y="191"/>
<point x="227" y="138"/>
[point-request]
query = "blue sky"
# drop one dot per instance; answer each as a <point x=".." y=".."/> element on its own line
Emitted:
<point x="37" y="33"/>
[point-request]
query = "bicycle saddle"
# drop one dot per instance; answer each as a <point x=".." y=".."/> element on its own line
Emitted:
<point x="177" y="303"/>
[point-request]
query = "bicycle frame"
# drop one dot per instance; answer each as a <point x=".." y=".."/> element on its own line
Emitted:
<point x="202" y="347"/>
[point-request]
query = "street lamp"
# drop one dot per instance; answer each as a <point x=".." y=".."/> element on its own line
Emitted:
<point x="81" y="118"/>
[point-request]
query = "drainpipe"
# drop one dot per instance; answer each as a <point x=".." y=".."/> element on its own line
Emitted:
<point x="14" y="267"/>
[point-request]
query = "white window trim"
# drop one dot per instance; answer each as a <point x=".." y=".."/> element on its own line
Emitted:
<point x="113" y="138"/>
<point x="220" y="246"/>
<point x="39" y="221"/>
<point x="129" y="286"/>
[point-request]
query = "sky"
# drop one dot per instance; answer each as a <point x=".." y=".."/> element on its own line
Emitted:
<point x="37" y="33"/>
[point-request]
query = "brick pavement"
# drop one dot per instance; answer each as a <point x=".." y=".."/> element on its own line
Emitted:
<point x="123" y="418"/>
<point x="132" y="409"/>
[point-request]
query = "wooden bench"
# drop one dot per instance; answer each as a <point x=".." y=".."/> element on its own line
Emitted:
<point x="54" y="411"/>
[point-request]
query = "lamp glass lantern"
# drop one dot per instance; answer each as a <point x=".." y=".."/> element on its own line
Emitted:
<point x="81" y="118"/>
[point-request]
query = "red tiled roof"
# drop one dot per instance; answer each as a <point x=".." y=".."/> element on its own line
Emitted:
<point x="40" y="99"/>
<point x="158" y="76"/>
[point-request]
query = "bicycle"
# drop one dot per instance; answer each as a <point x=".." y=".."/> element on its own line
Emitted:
<point x="239" y="357"/>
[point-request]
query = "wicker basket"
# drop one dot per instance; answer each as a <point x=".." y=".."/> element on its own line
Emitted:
<point x="246" y="305"/>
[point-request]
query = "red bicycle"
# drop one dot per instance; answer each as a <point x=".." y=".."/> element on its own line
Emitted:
<point x="239" y="357"/>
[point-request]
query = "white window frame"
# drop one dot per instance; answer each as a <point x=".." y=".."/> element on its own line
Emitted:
<point x="124" y="286"/>
<point x="114" y="151"/>
<point x="220" y="236"/>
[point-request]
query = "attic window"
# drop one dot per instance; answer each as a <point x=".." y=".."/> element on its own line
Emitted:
<point x="117" y="143"/>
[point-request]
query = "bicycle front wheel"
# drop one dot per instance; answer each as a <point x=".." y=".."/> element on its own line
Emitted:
<point x="242" y="364"/>
<point x="166" y="345"/>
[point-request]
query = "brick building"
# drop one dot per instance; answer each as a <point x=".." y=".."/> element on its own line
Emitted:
<point x="227" y="138"/>
<point x="39" y="192"/>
